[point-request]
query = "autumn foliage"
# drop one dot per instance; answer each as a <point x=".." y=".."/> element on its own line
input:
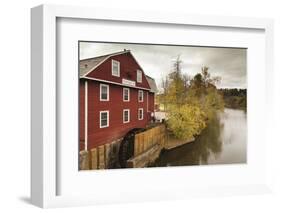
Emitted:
<point x="190" y="102"/>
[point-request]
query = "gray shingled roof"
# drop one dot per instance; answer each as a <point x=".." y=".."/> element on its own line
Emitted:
<point x="152" y="84"/>
<point x="86" y="65"/>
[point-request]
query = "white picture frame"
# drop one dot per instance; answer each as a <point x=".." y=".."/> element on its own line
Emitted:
<point x="44" y="153"/>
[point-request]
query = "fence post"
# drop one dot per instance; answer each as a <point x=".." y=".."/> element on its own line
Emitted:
<point x="101" y="157"/>
<point x="136" y="145"/>
<point x="84" y="160"/>
<point x="94" y="158"/>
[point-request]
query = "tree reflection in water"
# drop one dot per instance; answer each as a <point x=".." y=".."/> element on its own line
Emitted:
<point x="209" y="147"/>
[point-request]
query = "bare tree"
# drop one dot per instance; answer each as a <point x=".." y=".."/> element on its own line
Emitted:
<point x="207" y="79"/>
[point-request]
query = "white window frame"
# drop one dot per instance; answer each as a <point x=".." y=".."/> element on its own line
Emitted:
<point x="107" y="89"/>
<point x="140" y="91"/>
<point x="118" y="63"/>
<point x="126" y="110"/>
<point x="124" y="89"/>
<point x="140" y="109"/>
<point x="107" y="125"/>
<point x="139" y="76"/>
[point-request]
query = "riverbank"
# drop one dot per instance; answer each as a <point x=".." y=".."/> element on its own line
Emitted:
<point x="173" y="142"/>
<point x="223" y="141"/>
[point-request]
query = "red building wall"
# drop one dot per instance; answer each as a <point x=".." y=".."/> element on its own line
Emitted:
<point x="151" y="100"/>
<point x="117" y="129"/>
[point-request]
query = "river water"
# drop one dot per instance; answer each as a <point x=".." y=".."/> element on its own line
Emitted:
<point x="224" y="141"/>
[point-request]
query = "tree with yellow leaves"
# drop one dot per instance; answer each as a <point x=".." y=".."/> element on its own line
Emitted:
<point x="191" y="102"/>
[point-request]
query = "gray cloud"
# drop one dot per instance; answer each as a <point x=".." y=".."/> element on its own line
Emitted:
<point x="156" y="60"/>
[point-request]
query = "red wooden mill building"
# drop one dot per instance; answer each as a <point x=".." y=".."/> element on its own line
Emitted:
<point x="115" y="97"/>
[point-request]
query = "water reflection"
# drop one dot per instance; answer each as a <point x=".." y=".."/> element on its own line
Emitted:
<point x="223" y="141"/>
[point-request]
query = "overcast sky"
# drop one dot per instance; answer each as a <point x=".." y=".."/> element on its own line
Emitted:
<point x="156" y="60"/>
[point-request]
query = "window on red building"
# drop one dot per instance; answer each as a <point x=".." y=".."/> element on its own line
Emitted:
<point x="126" y="94"/>
<point x="140" y="96"/>
<point x="104" y="92"/>
<point x="115" y="68"/>
<point x="139" y="76"/>
<point x="126" y="116"/>
<point x="104" y="119"/>
<point x="140" y="113"/>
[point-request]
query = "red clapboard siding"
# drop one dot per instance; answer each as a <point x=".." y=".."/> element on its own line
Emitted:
<point x="115" y="106"/>
<point x="128" y="70"/>
<point x="116" y="129"/>
<point x="151" y="102"/>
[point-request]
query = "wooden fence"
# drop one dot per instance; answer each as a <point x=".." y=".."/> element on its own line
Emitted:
<point x="149" y="138"/>
<point x="101" y="157"/>
<point x="93" y="159"/>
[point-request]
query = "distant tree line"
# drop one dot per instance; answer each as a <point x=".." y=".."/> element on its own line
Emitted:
<point x="233" y="92"/>
<point x="234" y="98"/>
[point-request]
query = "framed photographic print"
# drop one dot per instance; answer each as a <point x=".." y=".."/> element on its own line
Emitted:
<point x="149" y="106"/>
